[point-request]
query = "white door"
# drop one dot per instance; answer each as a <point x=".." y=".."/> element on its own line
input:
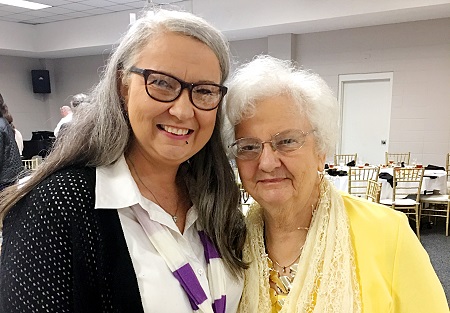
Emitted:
<point x="365" y="103"/>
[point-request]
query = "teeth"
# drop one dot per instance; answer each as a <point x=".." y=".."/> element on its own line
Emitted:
<point x="176" y="131"/>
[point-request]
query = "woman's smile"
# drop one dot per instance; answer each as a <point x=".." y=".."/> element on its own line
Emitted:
<point x="176" y="132"/>
<point x="271" y="180"/>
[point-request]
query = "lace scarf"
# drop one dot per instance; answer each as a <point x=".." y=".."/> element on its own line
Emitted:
<point x="326" y="279"/>
<point x="166" y="246"/>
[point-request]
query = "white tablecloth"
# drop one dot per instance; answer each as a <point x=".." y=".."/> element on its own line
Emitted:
<point x="433" y="181"/>
<point x="437" y="184"/>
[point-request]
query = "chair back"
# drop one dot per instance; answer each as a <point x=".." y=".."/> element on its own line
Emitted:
<point x="344" y="158"/>
<point x="436" y="206"/>
<point x="447" y="168"/>
<point x="373" y="192"/>
<point x="358" y="179"/>
<point x="407" y="182"/>
<point x="397" y="158"/>
<point x="31" y="164"/>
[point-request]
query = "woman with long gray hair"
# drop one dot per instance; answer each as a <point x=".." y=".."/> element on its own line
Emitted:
<point x="136" y="207"/>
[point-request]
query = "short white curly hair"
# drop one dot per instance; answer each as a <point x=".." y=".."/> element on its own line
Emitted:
<point x="265" y="77"/>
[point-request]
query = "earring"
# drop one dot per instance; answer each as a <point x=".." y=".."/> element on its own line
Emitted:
<point x="245" y="195"/>
<point x="321" y="175"/>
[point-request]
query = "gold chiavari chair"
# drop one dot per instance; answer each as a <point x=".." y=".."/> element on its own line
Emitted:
<point x="358" y="178"/>
<point x="344" y="158"/>
<point x="407" y="183"/>
<point x="397" y="158"/>
<point x="31" y="164"/>
<point x="437" y="205"/>
<point x="373" y="192"/>
<point x="447" y="168"/>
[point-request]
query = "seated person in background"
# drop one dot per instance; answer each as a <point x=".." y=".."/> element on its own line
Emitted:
<point x="311" y="248"/>
<point x="79" y="99"/>
<point x="17" y="134"/>
<point x="76" y="101"/>
<point x="66" y="113"/>
<point x="10" y="160"/>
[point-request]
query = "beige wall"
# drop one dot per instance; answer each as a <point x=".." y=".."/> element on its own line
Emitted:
<point x="30" y="111"/>
<point x="417" y="52"/>
<point x="72" y="76"/>
<point x="68" y="76"/>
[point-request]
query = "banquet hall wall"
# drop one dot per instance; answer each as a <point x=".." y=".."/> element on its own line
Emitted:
<point x="416" y="52"/>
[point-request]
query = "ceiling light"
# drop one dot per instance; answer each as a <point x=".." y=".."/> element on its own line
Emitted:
<point x="25" y="4"/>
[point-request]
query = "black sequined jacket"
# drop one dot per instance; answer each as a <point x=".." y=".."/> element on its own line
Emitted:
<point x="59" y="254"/>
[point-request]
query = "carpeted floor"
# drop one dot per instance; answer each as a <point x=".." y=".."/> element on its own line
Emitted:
<point x="438" y="247"/>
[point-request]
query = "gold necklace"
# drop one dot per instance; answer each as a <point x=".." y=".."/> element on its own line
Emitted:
<point x="280" y="285"/>
<point x="276" y="262"/>
<point x="174" y="216"/>
<point x="287" y="266"/>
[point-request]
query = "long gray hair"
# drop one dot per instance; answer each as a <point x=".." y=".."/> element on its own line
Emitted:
<point x="100" y="133"/>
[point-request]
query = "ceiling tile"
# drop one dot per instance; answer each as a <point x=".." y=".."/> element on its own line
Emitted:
<point x="78" y="14"/>
<point x="76" y="6"/>
<point x="56" y="2"/>
<point x="142" y="2"/>
<point x="97" y="11"/>
<point x="41" y="20"/>
<point x="57" y="10"/>
<point x="40" y="13"/>
<point x="11" y="9"/>
<point x="119" y="7"/>
<point x="22" y="16"/>
<point x="4" y="13"/>
<point x="72" y="7"/>
<point x="62" y="17"/>
<point x="97" y="3"/>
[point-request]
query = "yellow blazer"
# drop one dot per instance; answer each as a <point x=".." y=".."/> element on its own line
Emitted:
<point x="393" y="268"/>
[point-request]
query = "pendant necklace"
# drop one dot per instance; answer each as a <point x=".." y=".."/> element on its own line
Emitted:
<point x="296" y="259"/>
<point x="174" y="216"/>
<point x="287" y="266"/>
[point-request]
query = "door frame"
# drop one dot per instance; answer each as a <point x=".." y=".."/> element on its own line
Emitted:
<point x="345" y="78"/>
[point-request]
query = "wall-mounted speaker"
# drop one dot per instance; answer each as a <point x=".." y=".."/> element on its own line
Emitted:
<point x="41" y="81"/>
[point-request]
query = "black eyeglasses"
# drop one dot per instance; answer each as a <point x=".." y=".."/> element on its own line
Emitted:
<point x="284" y="142"/>
<point x="166" y="88"/>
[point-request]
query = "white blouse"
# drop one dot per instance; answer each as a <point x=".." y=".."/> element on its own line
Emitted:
<point x="160" y="290"/>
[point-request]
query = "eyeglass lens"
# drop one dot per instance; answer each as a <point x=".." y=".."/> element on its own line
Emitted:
<point x="162" y="87"/>
<point x="284" y="142"/>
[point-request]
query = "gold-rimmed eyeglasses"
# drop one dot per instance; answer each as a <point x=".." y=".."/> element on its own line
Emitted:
<point x="167" y="88"/>
<point x="250" y="148"/>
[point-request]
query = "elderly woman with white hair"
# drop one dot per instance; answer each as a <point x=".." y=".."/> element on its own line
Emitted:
<point x="311" y="248"/>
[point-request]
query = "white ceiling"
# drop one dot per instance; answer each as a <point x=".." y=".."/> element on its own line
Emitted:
<point x="66" y="10"/>
<point x="86" y="27"/>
